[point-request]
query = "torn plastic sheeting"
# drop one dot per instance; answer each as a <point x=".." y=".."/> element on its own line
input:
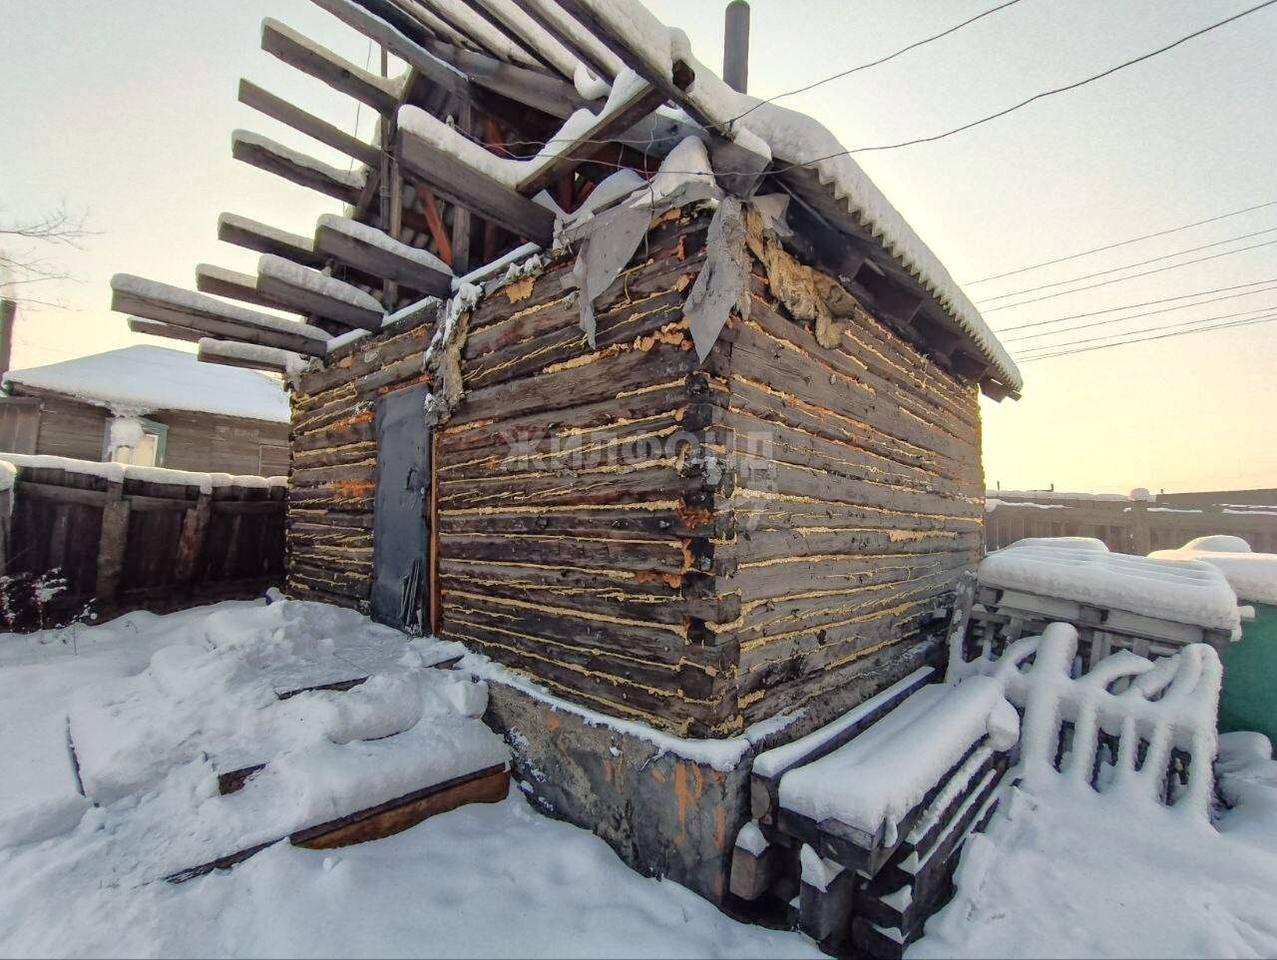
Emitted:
<point x="722" y="283"/>
<point x="614" y="237"/>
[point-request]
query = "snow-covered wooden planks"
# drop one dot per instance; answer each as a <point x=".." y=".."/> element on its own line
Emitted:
<point x="375" y="252"/>
<point x="317" y="61"/>
<point x="297" y="167"/>
<point x="252" y="235"/>
<point x="167" y="304"/>
<point x="267" y="103"/>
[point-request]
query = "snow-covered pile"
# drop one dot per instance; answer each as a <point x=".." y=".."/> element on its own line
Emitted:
<point x="119" y="472"/>
<point x="873" y="781"/>
<point x="1083" y="569"/>
<point x="1253" y="576"/>
<point x="484" y="880"/>
<point x="142" y="379"/>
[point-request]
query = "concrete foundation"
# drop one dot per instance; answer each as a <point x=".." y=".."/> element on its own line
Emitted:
<point x="664" y="815"/>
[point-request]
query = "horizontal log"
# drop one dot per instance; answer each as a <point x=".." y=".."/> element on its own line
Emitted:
<point x="311" y="292"/>
<point x="389" y="259"/>
<point x="296" y="167"/>
<point x="266" y="359"/>
<point x="316" y="61"/>
<point x="153" y="328"/>
<point x="277" y="108"/>
<point x="172" y="305"/>
<point x="220" y="282"/>
<point x="252" y="235"/>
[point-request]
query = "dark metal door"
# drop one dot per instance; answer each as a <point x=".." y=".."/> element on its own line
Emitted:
<point x="400" y="537"/>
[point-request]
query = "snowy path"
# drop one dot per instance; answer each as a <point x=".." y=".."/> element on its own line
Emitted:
<point x="495" y="880"/>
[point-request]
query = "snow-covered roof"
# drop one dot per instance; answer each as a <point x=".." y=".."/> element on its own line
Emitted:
<point x="797" y="140"/>
<point x="144" y="378"/>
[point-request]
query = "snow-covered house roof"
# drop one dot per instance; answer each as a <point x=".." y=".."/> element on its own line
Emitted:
<point x="143" y="378"/>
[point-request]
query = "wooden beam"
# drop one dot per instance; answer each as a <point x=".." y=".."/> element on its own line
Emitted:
<point x="314" y="60"/>
<point x="153" y="329"/>
<point x="434" y="222"/>
<point x="641" y="101"/>
<point x="997" y="391"/>
<point x="309" y="298"/>
<point x="965" y="365"/>
<point x="462" y="29"/>
<point x="461" y="215"/>
<point x="459" y="183"/>
<point x="579" y="50"/>
<point x="220" y="282"/>
<point x="298" y="168"/>
<point x="498" y="23"/>
<point x="195" y="311"/>
<point x="393" y="39"/>
<point x="233" y="355"/>
<point x="263" y="101"/>
<point x="252" y="235"/>
<point x="531" y="88"/>
<point x="384" y="261"/>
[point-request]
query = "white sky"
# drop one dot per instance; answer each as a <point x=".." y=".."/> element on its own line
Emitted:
<point x="125" y="110"/>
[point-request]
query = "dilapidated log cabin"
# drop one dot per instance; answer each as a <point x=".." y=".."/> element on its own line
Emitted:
<point x="627" y="380"/>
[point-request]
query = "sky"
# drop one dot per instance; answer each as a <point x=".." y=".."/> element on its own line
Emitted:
<point x="127" y="118"/>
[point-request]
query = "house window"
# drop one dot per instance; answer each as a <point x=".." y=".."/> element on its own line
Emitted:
<point x="135" y="441"/>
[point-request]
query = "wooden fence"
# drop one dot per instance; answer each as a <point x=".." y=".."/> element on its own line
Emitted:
<point x="97" y="539"/>
<point x="1127" y="526"/>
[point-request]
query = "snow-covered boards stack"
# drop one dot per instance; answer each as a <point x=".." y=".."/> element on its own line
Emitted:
<point x="864" y="818"/>
<point x="1152" y="607"/>
<point x="299" y="722"/>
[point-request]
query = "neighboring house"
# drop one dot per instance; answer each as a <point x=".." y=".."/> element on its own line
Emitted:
<point x="698" y="447"/>
<point x="149" y="406"/>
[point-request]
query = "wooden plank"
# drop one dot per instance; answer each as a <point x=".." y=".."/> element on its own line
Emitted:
<point x="263" y="101"/>
<point x="220" y="282"/>
<point x="190" y="544"/>
<point x="314" y="60"/>
<point x="49" y="491"/>
<point x="530" y="88"/>
<point x="461" y="218"/>
<point x="154" y="329"/>
<point x="571" y="43"/>
<point x="222" y="354"/>
<point x="459" y="183"/>
<point x="511" y="32"/>
<point x="385" y="33"/>
<point x="381" y="262"/>
<point x="484" y="786"/>
<point x="294" y="167"/>
<point x="309" y="300"/>
<point x="593" y="140"/>
<point x="179" y="307"/>
<point x="252" y="235"/>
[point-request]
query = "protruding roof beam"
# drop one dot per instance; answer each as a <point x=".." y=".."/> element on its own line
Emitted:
<point x="252" y="235"/>
<point x="458" y="182"/>
<point x="311" y="292"/>
<point x="316" y="61"/>
<point x="296" y="167"/>
<point x="579" y="49"/>
<point x="459" y="26"/>
<point x="386" y="258"/>
<point x="182" y="308"/>
<point x="497" y="19"/>
<point x="263" y="101"/>
<point x="531" y="88"/>
<point x="249" y="356"/>
<point x="594" y="139"/>
<point x="153" y="329"/>
<point x="403" y="47"/>
<point x="221" y="282"/>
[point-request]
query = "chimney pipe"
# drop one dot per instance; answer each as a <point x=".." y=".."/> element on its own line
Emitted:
<point x="736" y="46"/>
<point x="8" y="314"/>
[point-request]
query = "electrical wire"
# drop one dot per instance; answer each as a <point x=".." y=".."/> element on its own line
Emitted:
<point x="1129" y="266"/>
<point x="1164" y="336"/>
<point x="1104" y="323"/>
<point x="875" y="63"/>
<point x="1133" y="276"/>
<point x="1201" y="321"/>
<point x="1122" y="243"/>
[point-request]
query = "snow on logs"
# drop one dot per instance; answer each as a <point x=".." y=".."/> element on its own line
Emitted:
<point x="194" y="311"/>
<point x="251" y="235"/>
<point x="374" y="252"/>
<point x="277" y="108"/>
<point x="311" y="292"/>
<point x="250" y="356"/>
<point x="296" y="50"/>
<point x="220" y="282"/>
<point x="297" y="167"/>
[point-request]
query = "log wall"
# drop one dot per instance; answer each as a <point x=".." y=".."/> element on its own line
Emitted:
<point x="332" y="478"/>
<point x="858" y="501"/>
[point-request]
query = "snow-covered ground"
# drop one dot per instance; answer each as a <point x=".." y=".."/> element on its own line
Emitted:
<point x="484" y="880"/>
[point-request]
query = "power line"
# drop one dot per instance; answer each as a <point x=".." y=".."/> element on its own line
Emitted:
<point x="1151" y="303"/>
<point x="1122" y="243"/>
<point x="1164" y="336"/>
<point x="1137" y="316"/>
<point x="875" y="63"/>
<point x="1201" y="321"/>
<point x="1133" y="276"/>
<point x="1129" y="266"/>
